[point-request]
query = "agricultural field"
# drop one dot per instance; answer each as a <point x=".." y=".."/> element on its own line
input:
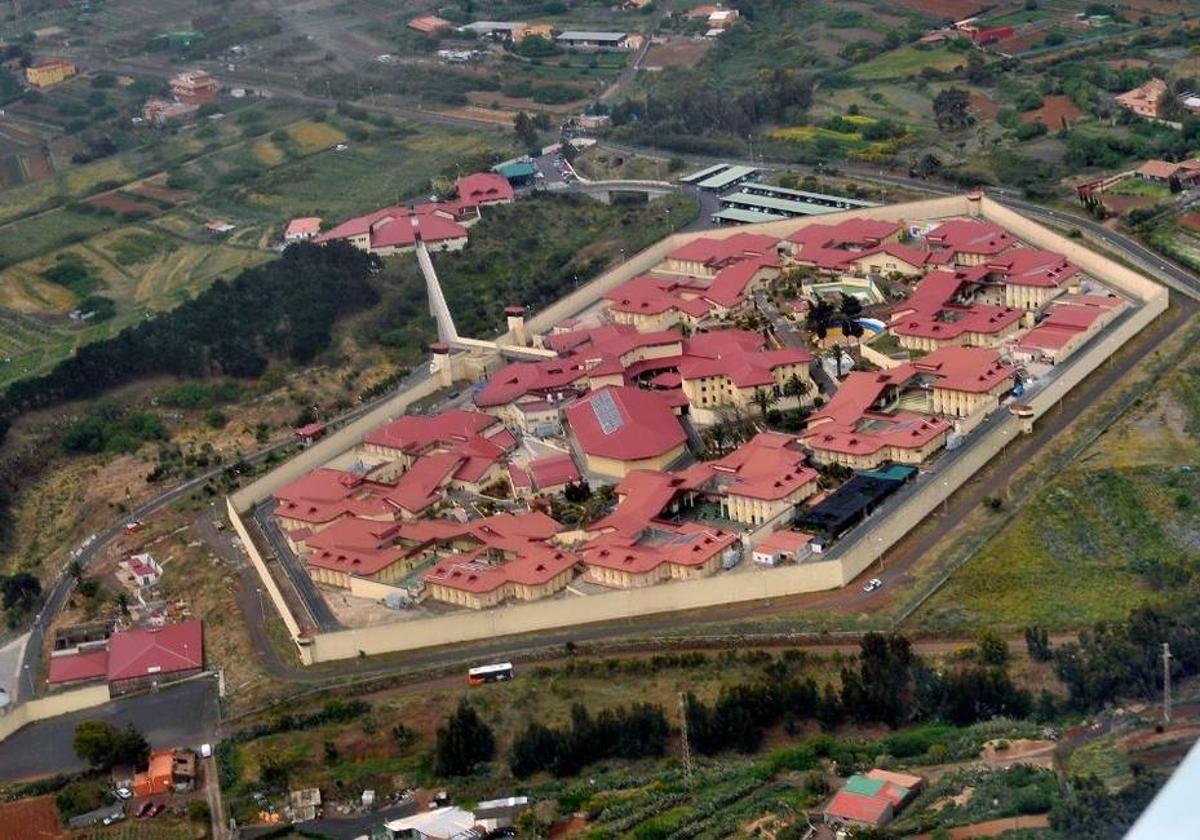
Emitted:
<point x="909" y="61"/>
<point x="1115" y="528"/>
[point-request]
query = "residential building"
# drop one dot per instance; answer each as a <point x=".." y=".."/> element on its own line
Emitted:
<point x="448" y="823"/>
<point x="1144" y="99"/>
<point x="430" y="25"/>
<point x="483" y="188"/>
<point x="535" y="573"/>
<point x="396" y="230"/>
<point x="143" y="570"/>
<point x="735" y="380"/>
<point x="619" y="429"/>
<point x="1186" y="172"/>
<point x="758" y="481"/>
<point x="302" y="229"/>
<point x="49" y="71"/>
<point x="161" y="112"/>
<point x="195" y="87"/>
<point x="145" y="657"/>
<point x="169" y="771"/>
<point x="704" y="257"/>
<point x="593" y="40"/>
<point x="967" y="242"/>
<point x="872" y="799"/>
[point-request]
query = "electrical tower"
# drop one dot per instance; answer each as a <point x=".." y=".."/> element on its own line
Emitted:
<point x="1166" y="659"/>
<point x="686" y="741"/>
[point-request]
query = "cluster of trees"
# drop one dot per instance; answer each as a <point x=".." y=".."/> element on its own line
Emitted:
<point x="285" y="308"/>
<point x="1124" y="659"/>
<point x="20" y="593"/>
<point x="463" y="743"/>
<point x="103" y="745"/>
<point x="106" y="427"/>
<point x="636" y="732"/>
<point x="891" y="685"/>
<point x="694" y="106"/>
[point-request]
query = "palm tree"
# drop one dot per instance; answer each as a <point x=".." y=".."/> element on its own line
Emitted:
<point x="764" y="398"/>
<point x="75" y="570"/>
<point x="797" y="387"/>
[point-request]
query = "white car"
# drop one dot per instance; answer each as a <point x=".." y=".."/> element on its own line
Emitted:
<point x="206" y="750"/>
<point x="123" y="793"/>
<point x="872" y="585"/>
<point x="113" y="818"/>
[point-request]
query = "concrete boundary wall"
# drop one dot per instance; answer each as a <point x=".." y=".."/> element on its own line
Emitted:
<point x="844" y="562"/>
<point x="54" y="705"/>
<point x="264" y="575"/>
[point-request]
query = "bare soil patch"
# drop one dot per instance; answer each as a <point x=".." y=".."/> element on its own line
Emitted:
<point x="119" y="203"/>
<point x="1054" y="110"/>
<point x="677" y="52"/>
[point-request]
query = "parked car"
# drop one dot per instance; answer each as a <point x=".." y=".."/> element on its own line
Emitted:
<point x="113" y="818"/>
<point x="123" y="793"/>
<point x="206" y="750"/>
<point x="145" y="810"/>
<point x="872" y="585"/>
<point x="157" y="809"/>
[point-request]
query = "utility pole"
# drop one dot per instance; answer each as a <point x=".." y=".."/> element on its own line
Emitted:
<point x="1166" y="659"/>
<point x="687" y="747"/>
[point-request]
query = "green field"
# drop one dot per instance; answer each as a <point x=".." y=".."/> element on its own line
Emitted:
<point x="909" y="61"/>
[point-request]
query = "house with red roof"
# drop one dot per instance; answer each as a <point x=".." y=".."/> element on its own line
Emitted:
<point x="733" y="379"/>
<point x="77" y="666"/>
<point x="858" y="247"/>
<point x="1144" y="99"/>
<point x="482" y="188"/>
<point x="394" y="230"/>
<point x="145" y="657"/>
<point x="302" y="229"/>
<point x="1031" y="278"/>
<point x="657" y="553"/>
<point x="619" y="429"/>
<point x="1067" y="325"/>
<point x="872" y="799"/>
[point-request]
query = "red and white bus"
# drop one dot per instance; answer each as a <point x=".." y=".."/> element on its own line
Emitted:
<point x="497" y="672"/>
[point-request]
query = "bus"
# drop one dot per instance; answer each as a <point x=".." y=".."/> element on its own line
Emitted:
<point x="499" y="672"/>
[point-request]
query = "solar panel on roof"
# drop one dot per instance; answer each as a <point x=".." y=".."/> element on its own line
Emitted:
<point x="607" y="414"/>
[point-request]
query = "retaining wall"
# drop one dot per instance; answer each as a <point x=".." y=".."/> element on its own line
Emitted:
<point x="53" y="705"/>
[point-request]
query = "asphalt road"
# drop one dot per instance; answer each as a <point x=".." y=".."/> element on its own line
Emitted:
<point x="178" y="715"/>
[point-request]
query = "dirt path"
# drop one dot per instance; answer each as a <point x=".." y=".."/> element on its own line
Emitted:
<point x="991" y="828"/>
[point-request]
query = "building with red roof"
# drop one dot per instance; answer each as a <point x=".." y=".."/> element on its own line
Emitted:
<point x="430" y="24"/>
<point x="855" y="246"/>
<point x="848" y="807"/>
<point x="145" y="657"/>
<point x="78" y="666"/>
<point x="409" y="437"/>
<point x="759" y="480"/>
<point x="783" y="547"/>
<point x="550" y="474"/>
<point x="967" y="242"/>
<point x="658" y="552"/>
<point x="481" y="188"/>
<point x="623" y="428"/>
<point x="704" y="257"/>
<point x="302" y="229"/>
<point x="1031" y="278"/>
<point x="537" y="571"/>
<point x="899" y="414"/>
<point x="1067" y="325"/>
<point x="734" y="378"/>
<point x="394" y="230"/>
<point x="1144" y="99"/>
<point x="944" y="311"/>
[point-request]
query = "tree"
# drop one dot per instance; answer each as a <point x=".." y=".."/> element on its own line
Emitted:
<point x="993" y="650"/>
<point x="1037" y="642"/>
<point x="851" y="307"/>
<point x="951" y="109"/>
<point x="21" y="591"/>
<point x="765" y="399"/>
<point x="198" y="811"/>
<point x="928" y="164"/>
<point x="525" y="130"/>
<point x="796" y="387"/>
<point x="819" y="318"/>
<point x="102" y="745"/>
<point x="464" y="742"/>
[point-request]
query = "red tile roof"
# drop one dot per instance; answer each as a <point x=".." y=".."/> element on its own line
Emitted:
<point x="414" y="434"/>
<point x="770" y="466"/>
<point x="88" y="665"/>
<point x="625" y="424"/>
<point x="934" y="311"/>
<point x="355" y="546"/>
<point x="156" y="650"/>
<point x="399" y="227"/>
<point x="484" y="188"/>
<point x="429" y="24"/>
<point x="1031" y="267"/>
<point x="788" y="542"/>
<point x="687" y="545"/>
<point x="854" y="807"/>
<point x="717" y="252"/>
<point x="966" y="236"/>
